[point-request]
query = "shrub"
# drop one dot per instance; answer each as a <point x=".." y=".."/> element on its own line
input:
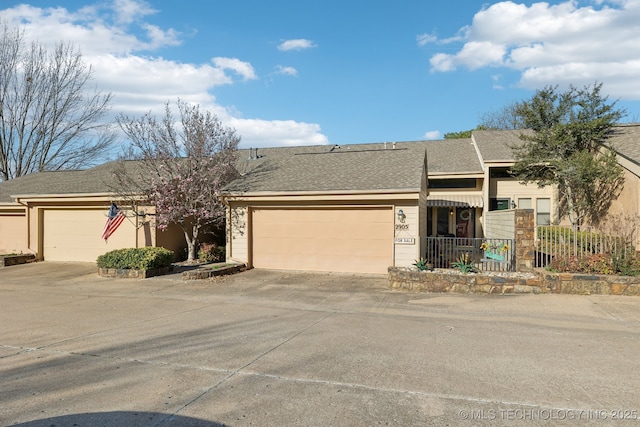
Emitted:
<point x="211" y="252"/>
<point x="626" y="263"/>
<point x="136" y="258"/>
<point x="464" y="264"/>
<point x="621" y="264"/>
<point x="423" y="265"/>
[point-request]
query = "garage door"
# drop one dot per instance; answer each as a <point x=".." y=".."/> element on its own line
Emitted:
<point x="75" y="235"/>
<point x="358" y="240"/>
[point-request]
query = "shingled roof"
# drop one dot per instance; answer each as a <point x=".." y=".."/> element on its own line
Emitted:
<point x="358" y="167"/>
<point x="452" y="156"/>
<point x="363" y="167"/>
<point x="626" y="141"/>
<point x="87" y="181"/>
<point x="495" y="145"/>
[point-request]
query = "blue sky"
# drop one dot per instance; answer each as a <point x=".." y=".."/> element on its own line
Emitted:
<point x="287" y="72"/>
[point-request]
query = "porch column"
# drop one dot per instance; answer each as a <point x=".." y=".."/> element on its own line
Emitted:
<point x="525" y="239"/>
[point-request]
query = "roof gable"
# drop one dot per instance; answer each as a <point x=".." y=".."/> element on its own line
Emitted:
<point x="495" y="145"/>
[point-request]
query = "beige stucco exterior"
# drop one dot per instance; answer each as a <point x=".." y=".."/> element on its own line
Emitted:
<point x="624" y="213"/>
<point x="13" y="229"/>
<point x="396" y="242"/>
<point x="628" y="202"/>
<point x="512" y="189"/>
<point x="69" y="227"/>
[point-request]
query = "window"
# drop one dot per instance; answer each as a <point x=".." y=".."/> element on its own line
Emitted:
<point x="543" y="211"/>
<point x="500" y="173"/>
<point x="524" y="204"/>
<point x="443" y="221"/>
<point x="452" y="183"/>
<point x="499" y="204"/>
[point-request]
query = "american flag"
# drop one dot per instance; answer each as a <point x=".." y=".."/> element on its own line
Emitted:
<point x="116" y="216"/>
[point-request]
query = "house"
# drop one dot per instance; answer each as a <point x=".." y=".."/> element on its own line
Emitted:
<point x="353" y="208"/>
<point x="357" y="208"/>
<point x="289" y="210"/>
<point x="626" y="143"/>
<point x="500" y="190"/>
<point x="59" y="216"/>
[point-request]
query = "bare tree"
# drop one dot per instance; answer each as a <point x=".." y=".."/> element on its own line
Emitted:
<point x="49" y="120"/>
<point x="179" y="167"/>
<point x="506" y="118"/>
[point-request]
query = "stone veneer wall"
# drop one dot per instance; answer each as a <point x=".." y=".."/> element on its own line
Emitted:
<point x="122" y="273"/>
<point x="538" y="282"/>
<point x="8" y="260"/>
<point x="525" y="239"/>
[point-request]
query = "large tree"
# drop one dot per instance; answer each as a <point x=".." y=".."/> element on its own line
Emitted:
<point x="179" y="166"/>
<point x="568" y="147"/>
<point x="463" y="134"/>
<point x="49" y="118"/>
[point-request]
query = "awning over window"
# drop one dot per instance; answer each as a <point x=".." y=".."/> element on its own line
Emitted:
<point x="455" y="200"/>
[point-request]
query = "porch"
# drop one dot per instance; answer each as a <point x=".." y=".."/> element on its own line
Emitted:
<point x="485" y="254"/>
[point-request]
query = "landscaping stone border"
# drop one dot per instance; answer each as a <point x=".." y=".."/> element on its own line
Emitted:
<point x="8" y="260"/>
<point x="124" y="273"/>
<point x="212" y="271"/>
<point x="537" y="282"/>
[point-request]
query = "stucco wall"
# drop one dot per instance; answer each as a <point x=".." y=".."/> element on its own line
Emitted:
<point x="512" y="189"/>
<point x="13" y="232"/>
<point x="628" y="201"/>
<point x="173" y="239"/>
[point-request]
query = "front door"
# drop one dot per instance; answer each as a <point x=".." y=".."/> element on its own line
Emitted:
<point x="465" y="222"/>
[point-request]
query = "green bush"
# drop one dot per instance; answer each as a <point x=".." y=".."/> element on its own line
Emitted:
<point x="423" y="265"/>
<point x="136" y="258"/>
<point x="464" y="264"/>
<point x="210" y="252"/>
<point x="626" y="263"/>
<point x="619" y="264"/>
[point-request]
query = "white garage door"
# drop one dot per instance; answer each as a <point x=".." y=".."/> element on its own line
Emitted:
<point x="358" y="240"/>
<point x="75" y="235"/>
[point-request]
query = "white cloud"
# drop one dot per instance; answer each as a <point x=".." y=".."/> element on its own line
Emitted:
<point x="113" y="35"/>
<point x="270" y="133"/>
<point x="97" y="30"/>
<point x="128" y="11"/>
<point x="424" y="39"/>
<point x="240" y="67"/>
<point x="554" y="44"/>
<point x="288" y="71"/>
<point x="432" y="134"/>
<point x="296" y="44"/>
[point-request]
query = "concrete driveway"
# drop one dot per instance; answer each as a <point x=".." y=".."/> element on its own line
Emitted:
<point x="266" y="348"/>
